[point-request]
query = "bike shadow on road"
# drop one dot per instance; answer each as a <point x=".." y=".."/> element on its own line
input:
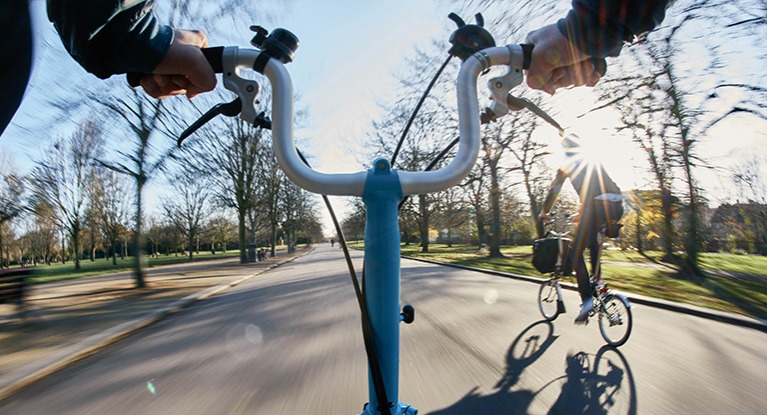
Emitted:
<point x="596" y="384"/>
<point x="606" y="387"/>
<point x="526" y="348"/>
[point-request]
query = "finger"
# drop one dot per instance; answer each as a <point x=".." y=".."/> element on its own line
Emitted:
<point x="159" y="86"/>
<point x="192" y="38"/>
<point x="580" y="74"/>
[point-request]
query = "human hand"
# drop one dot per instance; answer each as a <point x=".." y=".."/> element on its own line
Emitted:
<point x="184" y="70"/>
<point x="558" y="63"/>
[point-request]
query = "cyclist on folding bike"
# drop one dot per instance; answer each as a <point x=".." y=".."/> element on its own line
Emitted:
<point x="601" y="208"/>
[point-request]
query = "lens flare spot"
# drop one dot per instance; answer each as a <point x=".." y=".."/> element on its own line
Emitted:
<point x="150" y="387"/>
<point x="254" y="334"/>
<point x="245" y="341"/>
<point x="491" y="296"/>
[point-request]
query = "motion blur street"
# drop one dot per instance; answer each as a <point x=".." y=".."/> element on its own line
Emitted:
<point x="288" y="341"/>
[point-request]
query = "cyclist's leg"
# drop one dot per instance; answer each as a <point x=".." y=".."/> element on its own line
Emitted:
<point x="595" y="245"/>
<point x="585" y="236"/>
<point x="582" y="240"/>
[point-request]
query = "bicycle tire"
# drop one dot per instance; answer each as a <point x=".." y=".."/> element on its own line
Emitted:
<point x="615" y="320"/>
<point x="548" y="300"/>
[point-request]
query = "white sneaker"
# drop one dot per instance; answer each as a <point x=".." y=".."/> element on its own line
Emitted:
<point x="586" y="308"/>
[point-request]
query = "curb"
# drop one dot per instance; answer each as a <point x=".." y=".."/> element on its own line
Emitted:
<point x="722" y="316"/>
<point x="26" y="376"/>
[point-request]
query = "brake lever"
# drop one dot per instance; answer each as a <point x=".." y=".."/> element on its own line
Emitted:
<point x="513" y="103"/>
<point x="500" y="87"/>
<point x="229" y="109"/>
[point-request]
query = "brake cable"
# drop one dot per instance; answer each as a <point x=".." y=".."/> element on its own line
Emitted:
<point x="417" y="108"/>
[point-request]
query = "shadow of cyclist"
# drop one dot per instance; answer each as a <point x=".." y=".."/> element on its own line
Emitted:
<point x="531" y="344"/>
<point x="606" y="386"/>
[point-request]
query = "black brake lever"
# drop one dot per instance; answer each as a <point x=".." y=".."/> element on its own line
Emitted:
<point x="230" y="109"/>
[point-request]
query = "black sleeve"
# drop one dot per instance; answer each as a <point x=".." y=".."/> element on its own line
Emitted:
<point x="109" y="37"/>
<point x="16" y="52"/>
<point x="600" y="27"/>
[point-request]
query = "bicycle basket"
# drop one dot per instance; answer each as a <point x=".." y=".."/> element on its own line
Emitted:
<point x="545" y="253"/>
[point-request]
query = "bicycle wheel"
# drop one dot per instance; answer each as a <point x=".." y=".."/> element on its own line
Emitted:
<point x="548" y="300"/>
<point x="615" y="319"/>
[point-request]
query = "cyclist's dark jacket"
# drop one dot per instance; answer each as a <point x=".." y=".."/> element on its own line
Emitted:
<point x="589" y="180"/>
<point x="601" y="27"/>
<point x="110" y="37"/>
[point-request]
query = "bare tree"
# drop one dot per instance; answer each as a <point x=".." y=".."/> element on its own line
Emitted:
<point x="298" y="209"/>
<point x="12" y="190"/>
<point x="144" y="117"/>
<point x="111" y="206"/>
<point x="189" y="212"/>
<point x="666" y="105"/>
<point x="63" y="177"/>
<point x="229" y="159"/>
<point x="268" y="209"/>
<point x="475" y="187"/>
<point x="221" y="229"/>
<point x="749" y="179"/>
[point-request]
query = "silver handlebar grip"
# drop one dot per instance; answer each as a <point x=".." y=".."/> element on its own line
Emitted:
<point x="345" y="184"/>
<point x="468" y="122"/>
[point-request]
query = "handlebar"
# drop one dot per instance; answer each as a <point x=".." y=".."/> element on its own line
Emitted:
<point x="411" y="182"/>
<point x="231" y="60"/>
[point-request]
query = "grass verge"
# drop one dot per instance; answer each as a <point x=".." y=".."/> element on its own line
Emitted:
<point x="734" y="283"/>
<point x="57" y="272"/>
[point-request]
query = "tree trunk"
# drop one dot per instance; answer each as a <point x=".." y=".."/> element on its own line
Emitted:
<point x="76" y="243"/>
<point x="480" y="220"/>
<point x="494" y="239"/>
<point x="639" y="243"/>
<point x="138" y="243"/>
<point x="93" y="244"/>
<point x="242" y="235"/>
<point x="423" y="223"/>
<point x="274" y="240"/>
<point x="692" y="241"/>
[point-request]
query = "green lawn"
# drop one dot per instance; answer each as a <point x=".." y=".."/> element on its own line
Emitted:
<point x="744" y="291"/>
<point x="58" y="271"/>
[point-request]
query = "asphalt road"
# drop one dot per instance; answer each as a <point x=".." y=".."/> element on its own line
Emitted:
<point x="289" y="342"/>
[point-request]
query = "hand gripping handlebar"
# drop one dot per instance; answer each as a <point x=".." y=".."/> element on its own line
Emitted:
<point x="230" y="61"/>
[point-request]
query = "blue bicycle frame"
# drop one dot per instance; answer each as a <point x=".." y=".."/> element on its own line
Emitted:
<point x="381" y="188"/>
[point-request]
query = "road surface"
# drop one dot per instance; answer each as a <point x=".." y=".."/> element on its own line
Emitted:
<point x="289" y="342"/>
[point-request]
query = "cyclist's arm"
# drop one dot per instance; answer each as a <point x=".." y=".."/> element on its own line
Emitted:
<point x="599" y="28"/>
<point x="571" y="52"/>
<point x="110" y="37"/>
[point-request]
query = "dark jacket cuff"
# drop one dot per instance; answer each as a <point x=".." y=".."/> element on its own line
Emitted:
<point x="107" y="38"/>
<point x="601" y="27"/>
